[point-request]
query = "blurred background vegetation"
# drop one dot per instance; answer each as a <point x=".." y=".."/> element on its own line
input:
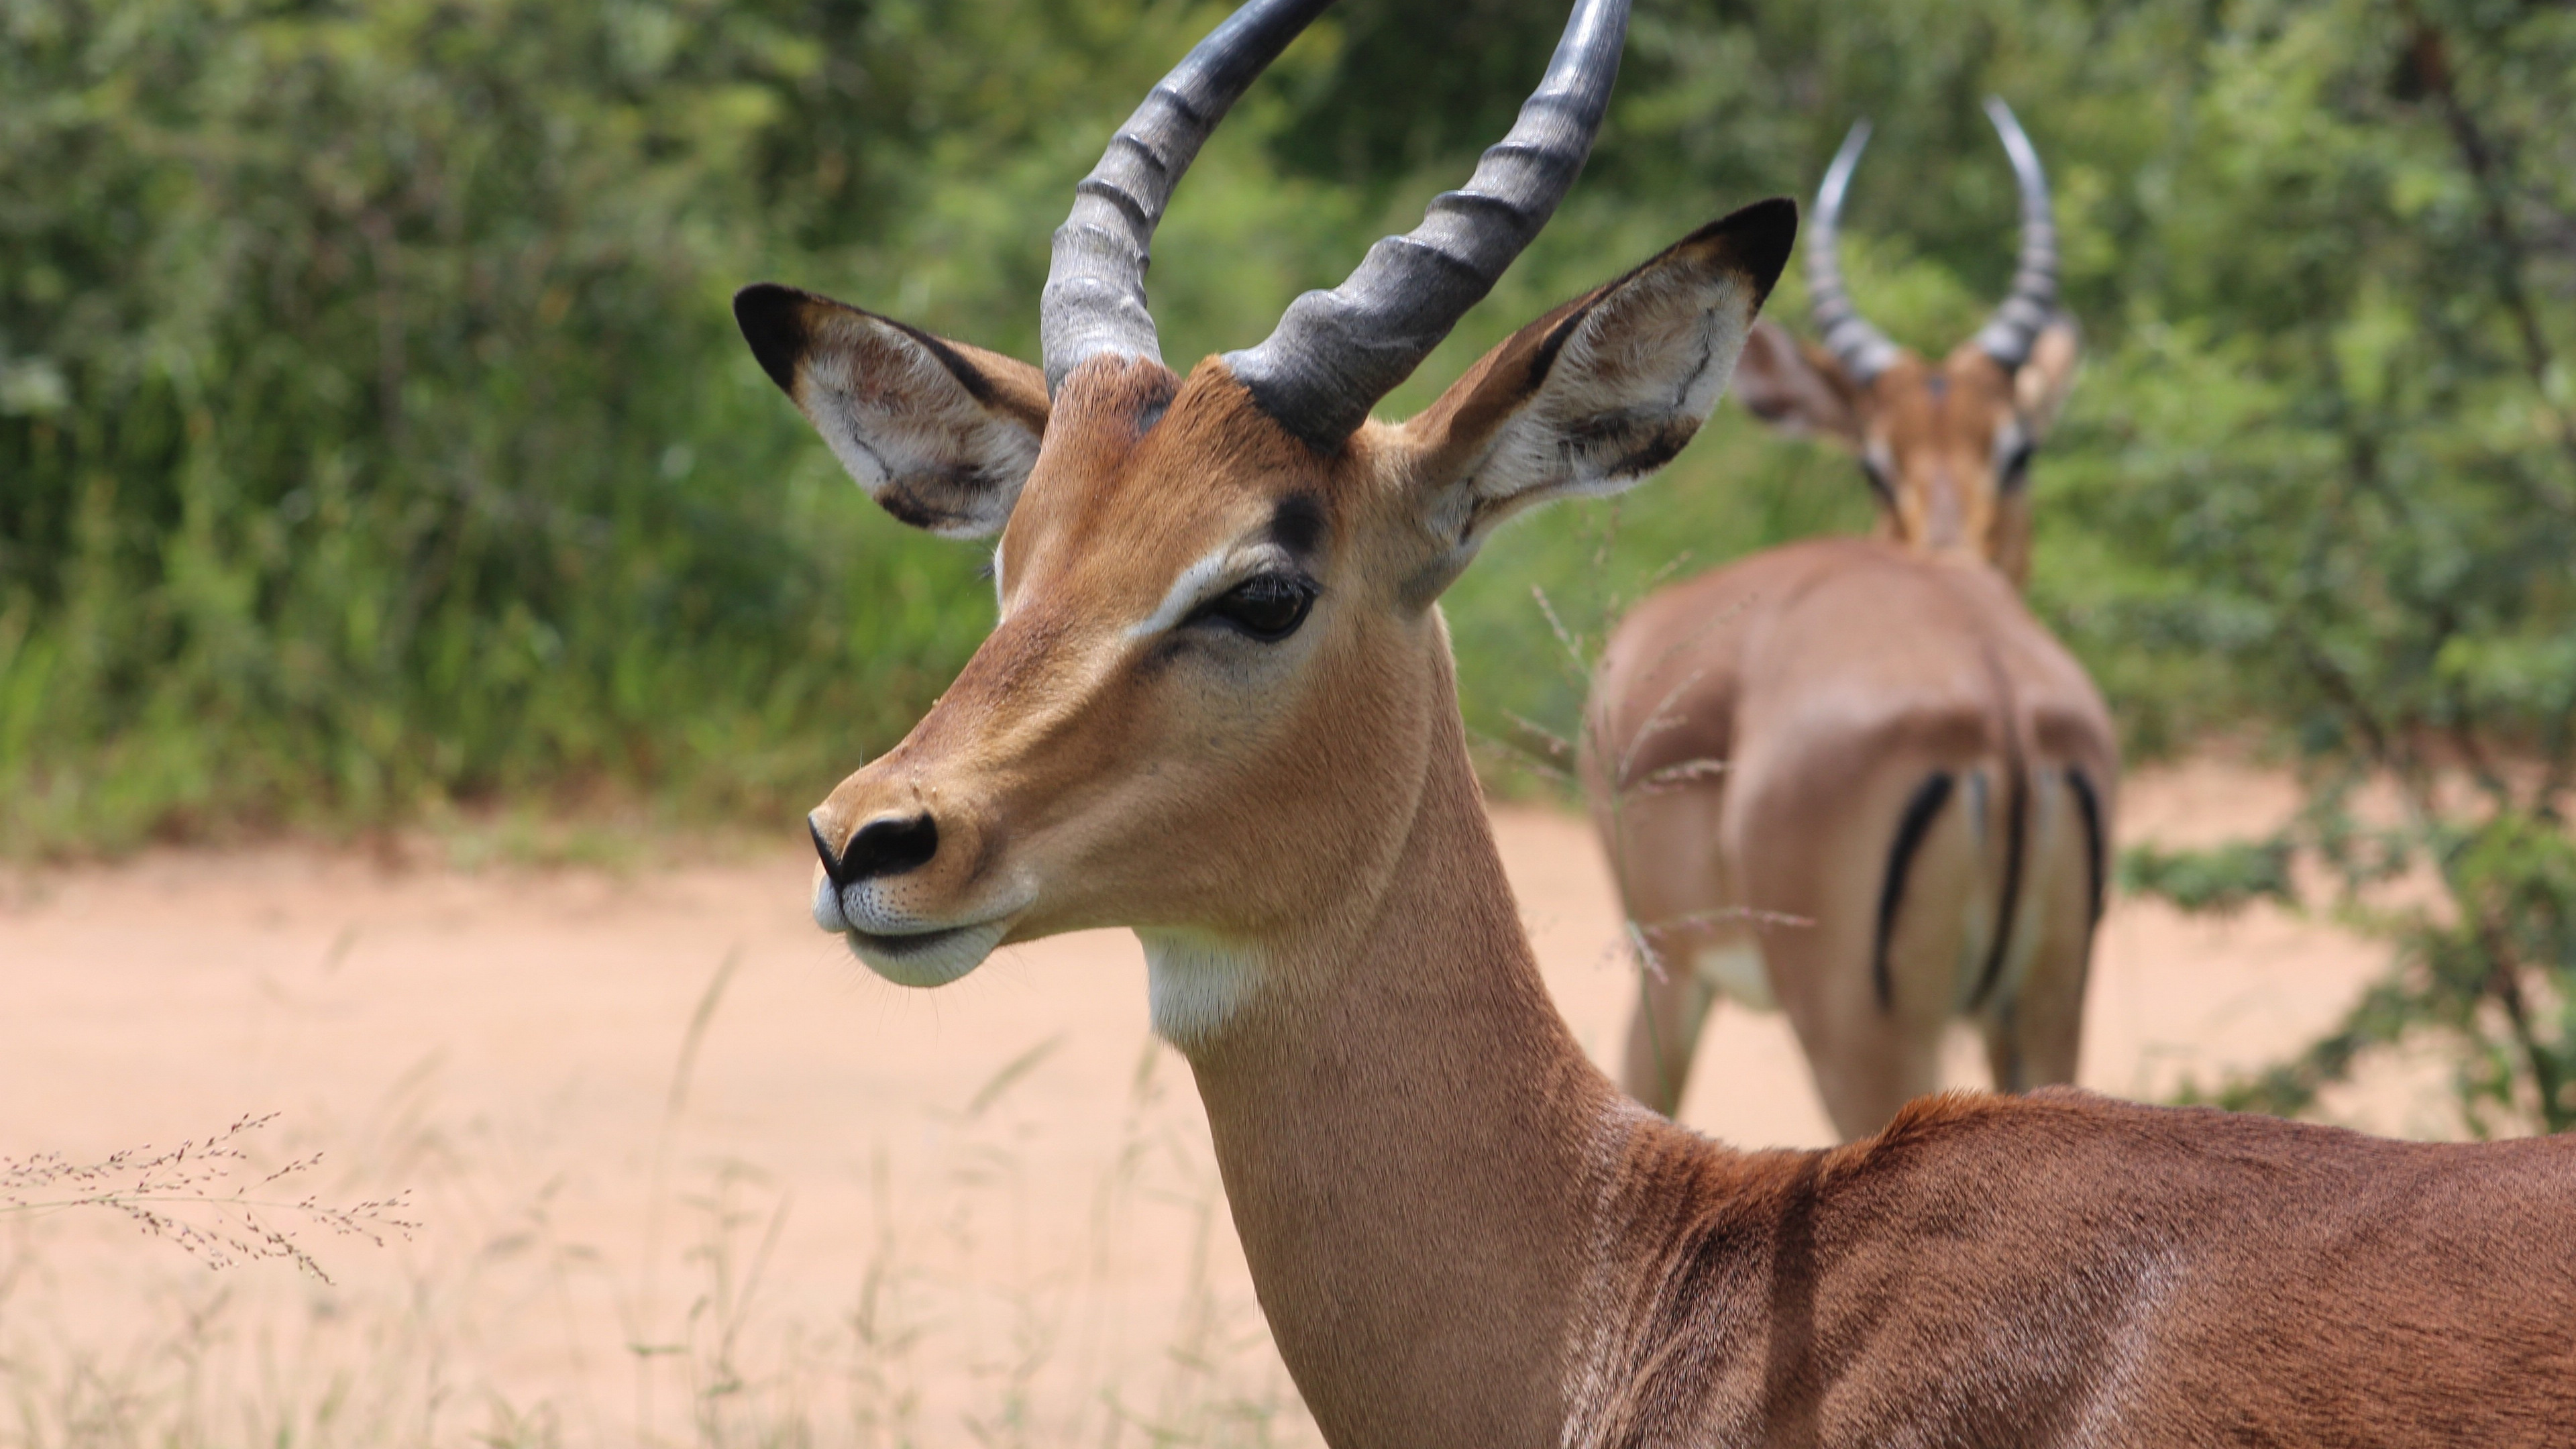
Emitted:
<point x="375" y="442"/>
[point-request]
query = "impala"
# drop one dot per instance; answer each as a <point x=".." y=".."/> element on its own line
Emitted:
<point x="1854" y="779"/>
<point x="1218" y="707"/>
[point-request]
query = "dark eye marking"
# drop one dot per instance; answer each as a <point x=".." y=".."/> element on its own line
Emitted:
<point x="1267" y="607"/>
<point x="1297" y="525"/>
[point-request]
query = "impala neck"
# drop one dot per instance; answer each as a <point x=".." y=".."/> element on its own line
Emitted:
<point x="1414" y="1147"/>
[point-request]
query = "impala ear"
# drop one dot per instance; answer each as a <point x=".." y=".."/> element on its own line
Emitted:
<point x="2042" y="383"/>
<point x="1601" y="392"/>
<point x="1796" y="388"/>
<point x="941" y="434"/>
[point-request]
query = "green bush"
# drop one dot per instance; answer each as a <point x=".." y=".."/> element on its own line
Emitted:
<point x="375" y="433"/>
<point x="2342" y="464"/>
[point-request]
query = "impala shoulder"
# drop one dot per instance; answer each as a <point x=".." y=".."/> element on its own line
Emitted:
<point x="2056" y="1134"/>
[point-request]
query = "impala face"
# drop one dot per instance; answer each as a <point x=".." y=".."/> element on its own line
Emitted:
<point x="1208" y="704"/>
<point x="1947" y="446"/>
<point x="1167" y="610"/>
<point x="1947" y="453"/>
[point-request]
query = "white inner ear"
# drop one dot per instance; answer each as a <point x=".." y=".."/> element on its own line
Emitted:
<point x="1642" y="371"/>
<point x="910" y="433"/>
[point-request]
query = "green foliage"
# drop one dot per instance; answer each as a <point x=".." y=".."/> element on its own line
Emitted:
<point x="2216" y="882"/>
<point x="2484" y="959"/>
<point x="374" y="433"/>
<point x="2341" y="466"/>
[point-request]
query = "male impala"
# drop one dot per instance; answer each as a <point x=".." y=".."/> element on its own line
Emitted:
<point x="1856" y="779"/>
<point x="1218" y="707"/>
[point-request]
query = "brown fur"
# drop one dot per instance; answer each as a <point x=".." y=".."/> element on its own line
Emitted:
<point x="1461" y="1234"/>
<point x="2065" y="1269"/>
<point x="1759" y="735"/>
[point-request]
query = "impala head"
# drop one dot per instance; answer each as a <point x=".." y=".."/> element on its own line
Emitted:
<point x="1946" y="446"/>
<point x="1218" y="674"/>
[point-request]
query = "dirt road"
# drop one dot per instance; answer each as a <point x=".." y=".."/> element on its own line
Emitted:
<point x="985" y="1214"/>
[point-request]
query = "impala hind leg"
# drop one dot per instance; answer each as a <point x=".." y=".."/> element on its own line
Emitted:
<point x="1673" y="883"/>
<point x="1673" y="1002"/>
<point x="1876" y="885"/>
<point x="2033" y="1039"/>
<point x="1867" y="1068"/>
<point x="1868" y="1057"/>
<point x="2034" y="1034"/>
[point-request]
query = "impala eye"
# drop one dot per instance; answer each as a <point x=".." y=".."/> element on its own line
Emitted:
<point x="1268" y="607"/>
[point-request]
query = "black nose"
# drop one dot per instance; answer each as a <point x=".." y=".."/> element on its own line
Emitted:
<point x="887" y="845"/>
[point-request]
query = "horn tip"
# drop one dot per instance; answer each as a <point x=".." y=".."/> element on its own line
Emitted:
<point x="1838" y="175"/>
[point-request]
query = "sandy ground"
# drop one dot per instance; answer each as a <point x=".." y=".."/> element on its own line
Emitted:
<point x="985" y="1214"/>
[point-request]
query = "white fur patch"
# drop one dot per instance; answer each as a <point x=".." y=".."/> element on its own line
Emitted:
<point x="1976" y="905"/>
<point x="2049" y="808"/>
<point x="1214" y="572"/>
<point x="1738" y="973"/>
<point x="2141" y="1298"/>
<point x="1195" y="986"/>
<point x="1192" y="585"/>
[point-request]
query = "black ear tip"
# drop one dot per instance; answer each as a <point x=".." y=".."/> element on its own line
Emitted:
<point x="772" y="319"/>
<point x="1759" y="238"/>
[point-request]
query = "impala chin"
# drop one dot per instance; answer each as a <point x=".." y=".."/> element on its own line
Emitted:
<point x="899" y="945"/>
<point x="927" y="958"/>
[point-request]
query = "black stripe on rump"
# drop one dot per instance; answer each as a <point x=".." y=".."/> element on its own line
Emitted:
<point x="2015" y="827"/>
<point x="2091" y="804"/>
<point x="1928" y="799"/>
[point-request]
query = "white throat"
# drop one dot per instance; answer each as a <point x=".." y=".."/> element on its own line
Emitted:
<point x="1196" y="986"/>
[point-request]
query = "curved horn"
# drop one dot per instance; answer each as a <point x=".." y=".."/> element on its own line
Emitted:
<point x="2008" y="335"/>
<point x="1094" y="302"/>
<point x="1336" y="353"/>
<point x="1862" y="349"/>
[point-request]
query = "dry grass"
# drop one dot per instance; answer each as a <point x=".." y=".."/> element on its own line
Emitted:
<point x="241" y="1350"/>
<point x="206" y="1197"/>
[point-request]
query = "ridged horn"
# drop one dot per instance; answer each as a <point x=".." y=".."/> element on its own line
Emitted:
<point x="1335" y="354"/>
<point x="1094" y="302"/>
<point x="2008" y="335"/>
<point x="1862" y="349"/>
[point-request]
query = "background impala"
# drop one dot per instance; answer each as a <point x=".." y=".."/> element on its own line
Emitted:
<point x="1857" y="781"/>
